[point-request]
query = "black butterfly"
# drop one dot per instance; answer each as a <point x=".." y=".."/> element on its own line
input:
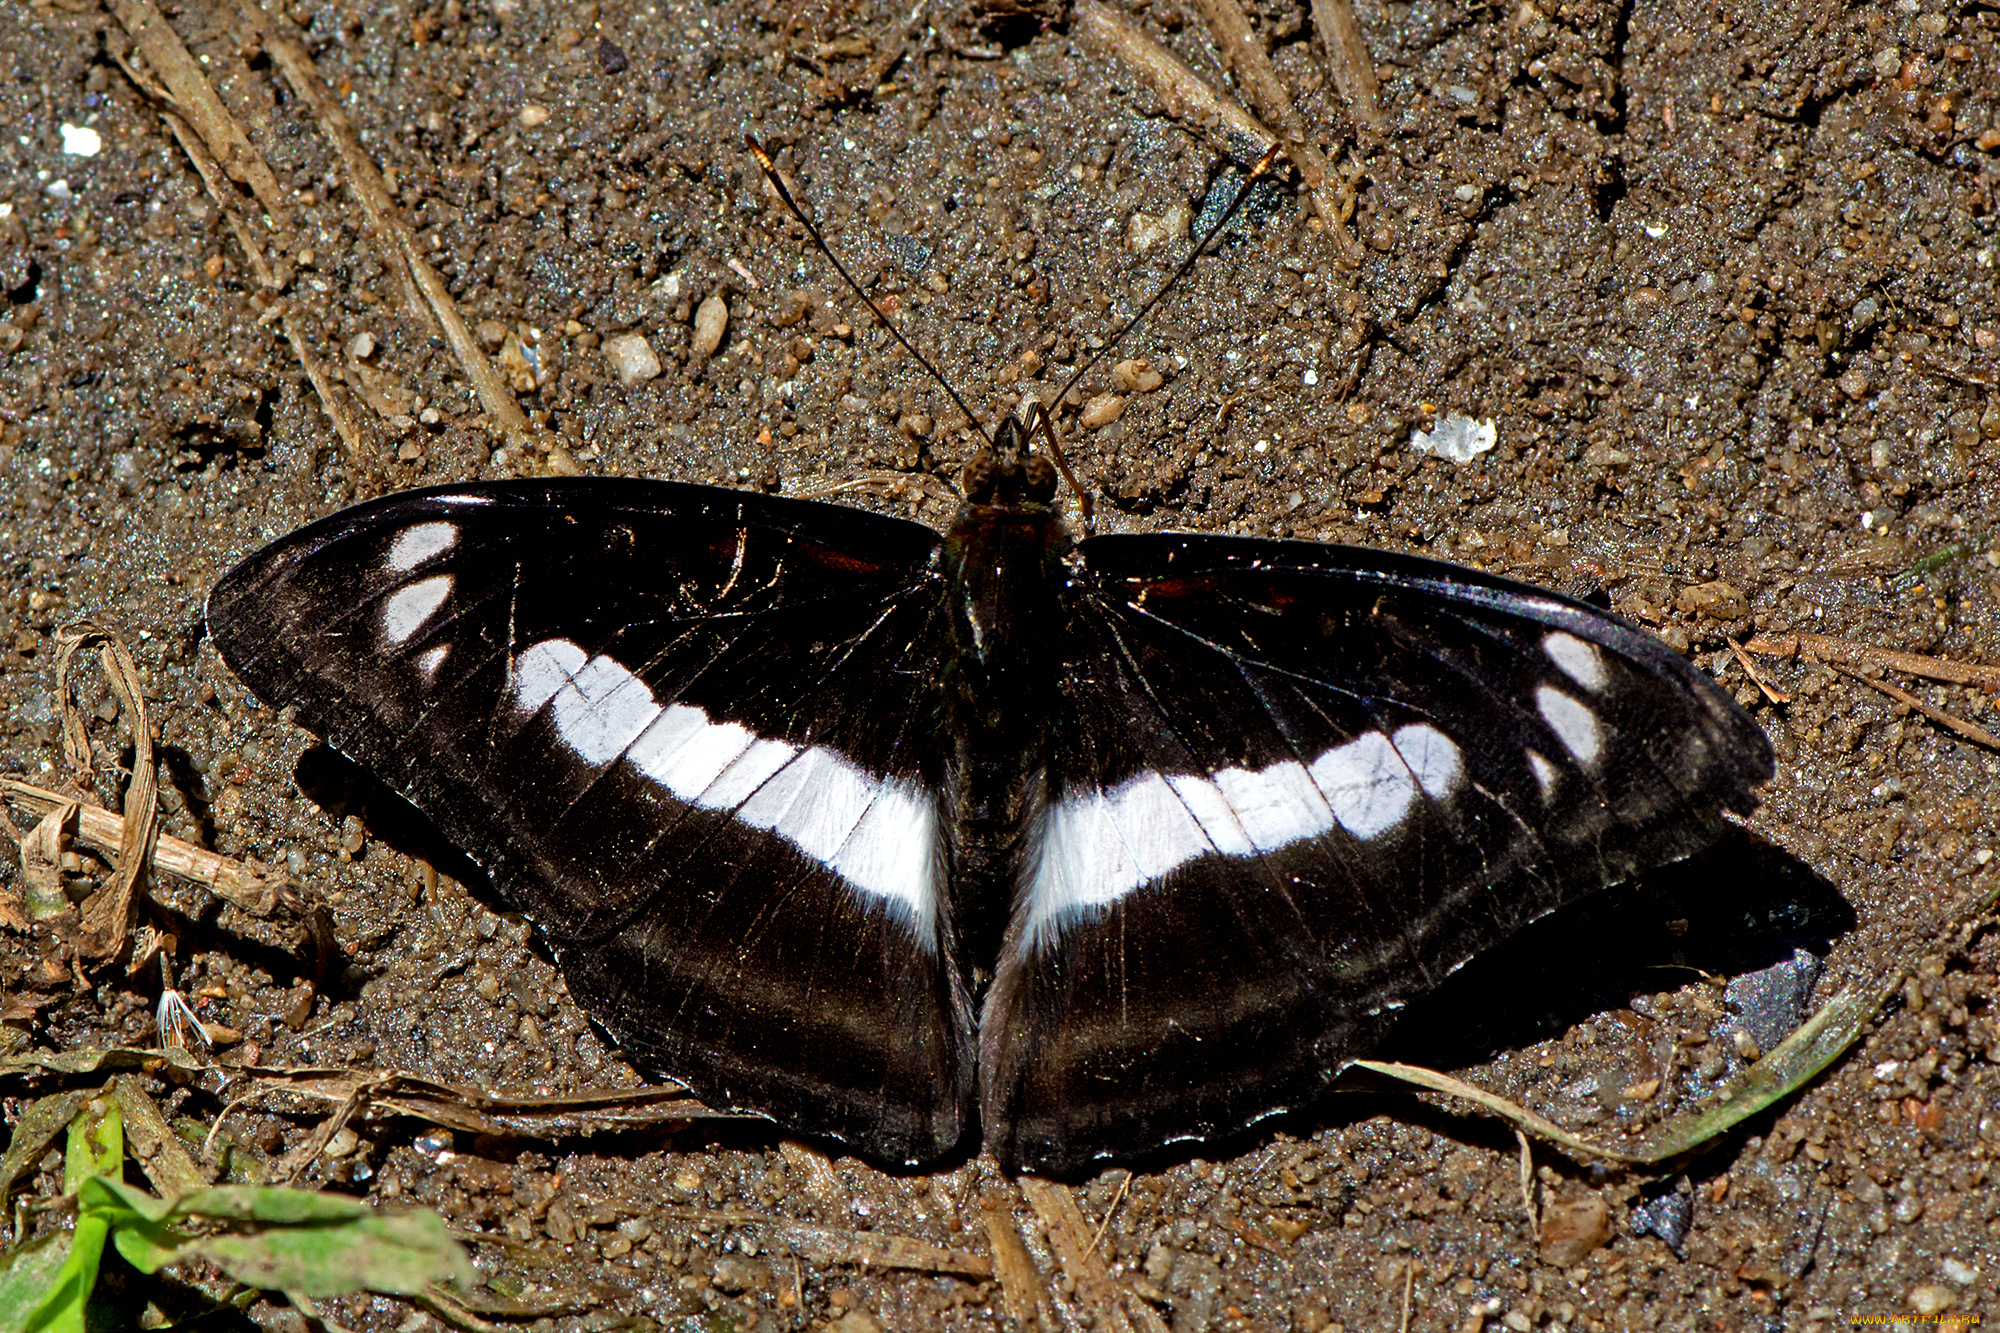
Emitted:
<point x="1096" y="847"/>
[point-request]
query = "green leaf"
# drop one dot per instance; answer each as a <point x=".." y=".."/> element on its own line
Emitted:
<point x="270" y="1204"/>
<point x="137" y="1222"/>
<point x="61" y="1310"/>
<point x="96" y="1060"/>
<point x="148" y="1246"/>
<point x="399" y="1253"/>
<point x="96" y="1145"/>
<point x="120" y="1203"/>
<point x="27" y="1276"/>
<point x="35" y="1129"/>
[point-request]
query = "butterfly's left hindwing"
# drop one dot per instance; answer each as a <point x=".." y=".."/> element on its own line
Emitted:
<point x="691" y="732"/>
<point x="1290" y="787"/>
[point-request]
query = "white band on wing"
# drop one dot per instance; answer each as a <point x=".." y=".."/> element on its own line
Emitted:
<point x="1090" y="850"/>
<point x="878" y="834"/>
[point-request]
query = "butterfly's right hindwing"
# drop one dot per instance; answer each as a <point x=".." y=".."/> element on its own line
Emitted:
<point x="693" y="734"/>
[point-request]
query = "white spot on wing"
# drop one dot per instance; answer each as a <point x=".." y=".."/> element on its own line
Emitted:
<point x="1581" y="662"/>
<point x="691" y="752"/>
<point x="414" y="545"/>
<point x="1367" y="784"/>
<point x="1545" y="773"/>
<point x="431" y="659"/>
<point x="407" y="608"/>
<point x="1091" y="850"/>
<point x="1573" y="723"/>
<point x="1277" y="806"/>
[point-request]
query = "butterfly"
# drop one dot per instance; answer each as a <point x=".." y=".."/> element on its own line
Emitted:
<point x="1071" y="849"/>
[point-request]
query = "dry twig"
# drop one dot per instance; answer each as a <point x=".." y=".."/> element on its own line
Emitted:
<point x="1259" y="79"/>
<point x="250" y="885"/>
<point x="1110" y="1303"/>
<point x="478" y="1111"/>
<point x="1976" y="734"/>
<point x="1846" y="652"/>
<point x="1020" y="1283"/>
<point x="397" y="242"/>
<point x="1185" y="94"/>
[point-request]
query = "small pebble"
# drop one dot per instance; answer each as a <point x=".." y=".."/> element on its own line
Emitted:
<point x="711" y="321"/>
<point x="1145" y="233"/>
<point x="1718" y="600"/>
<point x="1101" y="411"/>
<point x="734" y="1275"/>
<point x="1573" y="1228"/>
<point x="361" y="346"/>
<point x="1959" y="1272"/>
<point x="1133" y="375"/>
<point x="533" y="115"/>
<point x="81" y="141"/>
<point x="611" y="57"/>
<point x="343" y="1142"/>
<point x="491" y="334"/>
<point x="632" y="357"/>
<point x="1929" y="1299"/>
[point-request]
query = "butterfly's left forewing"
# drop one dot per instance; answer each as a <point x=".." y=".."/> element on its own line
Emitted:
<point x="693" y="733"/>
<point x="1291" y="787"/>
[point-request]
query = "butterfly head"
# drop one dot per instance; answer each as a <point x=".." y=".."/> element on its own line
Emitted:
<point x="1005" y="474"/>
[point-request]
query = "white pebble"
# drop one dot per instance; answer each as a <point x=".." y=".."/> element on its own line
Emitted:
<point x="711" y="320"/>
<point x="81" y="141"/>
<point x="1457" y="437"/>
<point x="1101" y="411"/>
<point x="632" y="357"/>
<point x="1133" y="375"/>
<point x="532" y="115"/>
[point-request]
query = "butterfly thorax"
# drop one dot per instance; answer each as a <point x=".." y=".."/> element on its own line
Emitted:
<point x="1004" y="562"/>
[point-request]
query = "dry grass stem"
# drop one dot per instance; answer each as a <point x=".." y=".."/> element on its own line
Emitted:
<point x="1097" y="1236"/>
<point x="1353" y="66"/>
<point x="254" y="887"/>
<point x="209" y="135"/>
<point x="1976" y="734"/>
<point x="1110" y="1305"/>
<point x="1771" y="692"/>
<point x="1251" y="64"/>
<point x="1846" y="652"/>
<point x="385" y="221"/>
<point x="109" y="913"/>
<point x="1528" y="1183"/>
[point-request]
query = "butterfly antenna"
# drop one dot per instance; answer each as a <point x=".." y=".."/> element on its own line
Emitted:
<point x="1257" y="173"/>
<point x="777" y="182"/>
<point x="1045" y="416"/>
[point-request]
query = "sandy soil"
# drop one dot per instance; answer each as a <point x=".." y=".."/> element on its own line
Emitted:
<point x="1721" y="274"/>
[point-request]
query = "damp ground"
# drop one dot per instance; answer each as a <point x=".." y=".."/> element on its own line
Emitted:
<point x="1721" y="276"/>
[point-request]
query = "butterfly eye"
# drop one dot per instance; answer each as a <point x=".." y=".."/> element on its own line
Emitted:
<point x="980" y="478"/>
<point x="1040" y="479"/>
